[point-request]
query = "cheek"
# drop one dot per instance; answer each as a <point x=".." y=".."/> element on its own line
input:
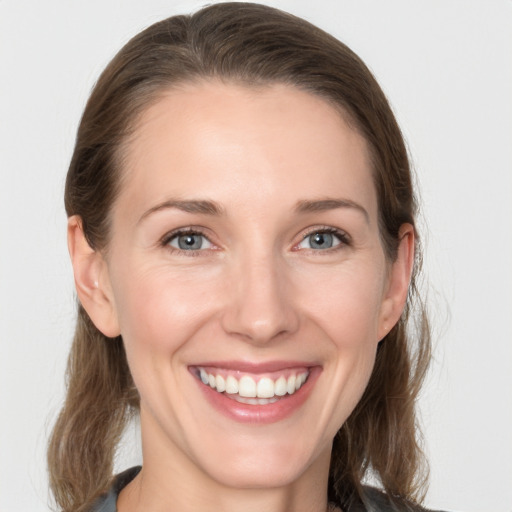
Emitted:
<point x="159" y="309"/>
<point x="158" y="314"/>
<point x="345" y="303"/>
<point x="343" y="310"/>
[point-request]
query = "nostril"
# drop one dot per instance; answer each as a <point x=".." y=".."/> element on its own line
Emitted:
<point x="260" y="330"/>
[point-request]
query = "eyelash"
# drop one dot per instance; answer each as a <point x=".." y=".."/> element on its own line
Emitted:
<point x="169" y="237"/>
<point x="344" y="239"/>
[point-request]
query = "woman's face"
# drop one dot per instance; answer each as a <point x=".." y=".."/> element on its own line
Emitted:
<point x="246" y="275"/>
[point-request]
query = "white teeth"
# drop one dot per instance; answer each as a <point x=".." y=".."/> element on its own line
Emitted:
<point x="265" y="388"/>
<point x="291" y="385"/>
<point x="220" y="383"/>
<point x="280" y="387"/>
<point x="249" y="391"/>
<point x="247" y="387"/>
<point x="231" y="385"/>
<point x="254" y="401"/>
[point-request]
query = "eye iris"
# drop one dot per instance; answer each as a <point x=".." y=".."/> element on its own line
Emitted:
<point x="190" y="242"/>
<point x="321" y="241"/>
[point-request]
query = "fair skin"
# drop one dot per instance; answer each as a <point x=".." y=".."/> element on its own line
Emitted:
<point x="245" y="245"/>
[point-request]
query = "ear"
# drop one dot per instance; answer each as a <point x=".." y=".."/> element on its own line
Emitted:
<point x="398" y="281"/>
<point x="92" y="280"/>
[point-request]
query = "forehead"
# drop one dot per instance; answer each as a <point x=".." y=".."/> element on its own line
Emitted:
<point x="229" y="141"/>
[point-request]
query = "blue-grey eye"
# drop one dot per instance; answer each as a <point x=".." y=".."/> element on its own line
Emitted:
<point x="320" y="240"/>
<point x="190" y="242"/>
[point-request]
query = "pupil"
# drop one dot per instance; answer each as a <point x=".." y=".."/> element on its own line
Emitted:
<point x="321" y="241"/>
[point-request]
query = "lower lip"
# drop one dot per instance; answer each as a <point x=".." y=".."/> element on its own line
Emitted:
<point x="268" y="413"/>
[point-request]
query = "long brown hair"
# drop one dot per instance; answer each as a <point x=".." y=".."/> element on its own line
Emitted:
<point x="253" y="45"/>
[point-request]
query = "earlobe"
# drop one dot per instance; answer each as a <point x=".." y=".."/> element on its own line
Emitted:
<point x="398" y="282"/>
<point x="92" y="280"/>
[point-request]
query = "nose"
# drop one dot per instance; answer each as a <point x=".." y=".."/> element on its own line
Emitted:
<point x="260" y="305"/>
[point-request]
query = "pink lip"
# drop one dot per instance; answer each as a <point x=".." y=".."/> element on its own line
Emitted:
<point x="247" y="413"/>
<point x="248" y="367"/>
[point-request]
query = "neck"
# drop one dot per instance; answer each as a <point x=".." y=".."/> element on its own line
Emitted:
<point x="172" y="482"/>
<point x="141" y="498"/>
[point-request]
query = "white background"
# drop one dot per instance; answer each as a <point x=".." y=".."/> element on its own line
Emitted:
<point x="447" y="69"/>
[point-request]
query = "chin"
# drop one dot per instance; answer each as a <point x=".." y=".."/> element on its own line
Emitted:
<point x="269" y="464"/>
<point x="257" y="473"/>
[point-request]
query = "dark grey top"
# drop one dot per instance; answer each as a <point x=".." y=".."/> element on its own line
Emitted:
<point x="376" y="501"/>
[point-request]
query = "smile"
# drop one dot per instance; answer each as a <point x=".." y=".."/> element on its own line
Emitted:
<point x="253" y="389"/>
<point x="256" y="393"/>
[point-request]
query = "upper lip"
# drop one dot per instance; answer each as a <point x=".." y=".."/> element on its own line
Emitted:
<point x="255" y="368"/>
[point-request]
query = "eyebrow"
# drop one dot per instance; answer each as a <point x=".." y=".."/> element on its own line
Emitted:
<point x="206" y="207"/>
<point x="200" y="206"/>
<point x="321" y="205"/>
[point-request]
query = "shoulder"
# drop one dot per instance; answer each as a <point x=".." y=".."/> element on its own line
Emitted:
<point x="376" y="500"/>
<point x="107" y="502"/>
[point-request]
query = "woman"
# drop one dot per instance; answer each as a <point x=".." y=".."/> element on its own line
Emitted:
<point x="242" y="233"/>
